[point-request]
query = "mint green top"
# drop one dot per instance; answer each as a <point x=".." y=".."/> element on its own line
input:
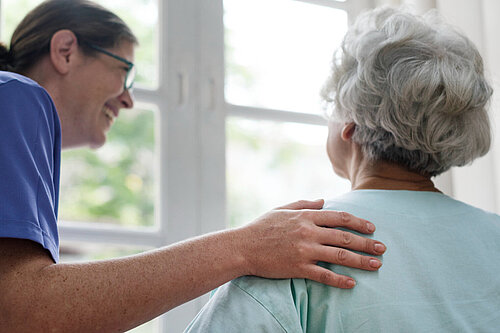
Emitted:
<point x="441" y="273"/>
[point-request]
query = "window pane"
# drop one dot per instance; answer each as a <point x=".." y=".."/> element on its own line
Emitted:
<point x="278" y="52"/>
<point x="115" y="183"/>
<point x="82" y="251"/>
<point x="270" y="164"/>
<point x="142" y="17"/>
<point x="13" y="12"/>
<point x="143" y="21"/>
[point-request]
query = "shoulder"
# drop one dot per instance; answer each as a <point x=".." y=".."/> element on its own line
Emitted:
<point x="233" y="309"/>
<point x="276" y="296"/>
<point x="408" y="203"/>
<point x="7" y="77"/>
<point x="18" y="83"/>
<point x="21" y="89"/>
<point x="24" y="102"/>
<point x="249" y="304"/>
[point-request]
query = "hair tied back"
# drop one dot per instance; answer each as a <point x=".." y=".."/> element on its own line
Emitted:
<point x="6" y="58"/>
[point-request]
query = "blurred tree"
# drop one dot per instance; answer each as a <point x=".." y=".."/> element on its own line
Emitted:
<point x="114" y="184"/>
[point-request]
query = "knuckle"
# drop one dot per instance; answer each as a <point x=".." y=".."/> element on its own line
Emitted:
<point x="364" y="261"/>
<point x="302" y="253"/>
<point x="307" y="214"/>
<point x="369" y="246"/>
<point x="325" y="277"/>
<point x="346" y="238"/>
<point x="300" y="215"/>
<point x="303" y="271"/>
<point x="293" y="219"/>
<point x="345" y="282"/>
<point x="304" y="231"/>
<point x="345" y="218"/>
<point x="302" y="202"/>
<point x="341" y="255"/>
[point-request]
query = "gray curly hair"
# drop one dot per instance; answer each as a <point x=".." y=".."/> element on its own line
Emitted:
<point x="415" y="89"/>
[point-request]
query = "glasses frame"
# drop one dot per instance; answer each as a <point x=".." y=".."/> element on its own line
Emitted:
<point x="130" y="65"/>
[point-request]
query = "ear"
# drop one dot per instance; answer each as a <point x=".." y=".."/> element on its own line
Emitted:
<point x="63" y="49"/>
<point x="348" y="131"/>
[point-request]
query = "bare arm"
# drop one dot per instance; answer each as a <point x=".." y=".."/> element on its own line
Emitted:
<point x="115" y="295"/>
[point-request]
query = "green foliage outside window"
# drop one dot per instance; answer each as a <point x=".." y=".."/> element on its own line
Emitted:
<point x="114" y="184"/>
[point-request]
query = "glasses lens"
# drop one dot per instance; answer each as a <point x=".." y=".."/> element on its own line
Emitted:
<point x="129" y="82"/>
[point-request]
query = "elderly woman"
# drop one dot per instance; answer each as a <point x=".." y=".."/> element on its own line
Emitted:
<point x="409" y="100"/>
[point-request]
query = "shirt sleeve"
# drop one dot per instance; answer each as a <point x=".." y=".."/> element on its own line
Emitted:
<point x="29" y="165"/>
<point x="231" y="309"/>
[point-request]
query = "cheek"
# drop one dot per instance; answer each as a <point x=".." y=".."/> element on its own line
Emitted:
<point x="113" y="85"/>
<point x="332" y="140"/>
<point x="108" y="83"/>
<point x="336" y="149"/>
<point x="332" y="148"/>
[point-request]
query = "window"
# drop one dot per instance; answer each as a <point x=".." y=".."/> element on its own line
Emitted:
<point x="275" y="133"/>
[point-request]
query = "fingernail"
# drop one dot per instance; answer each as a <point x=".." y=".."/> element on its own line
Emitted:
<point x="351" y="283"/>
<point x="370" y="227"/>
<point x="375" y="263"/>
<point x="380" y="248"/>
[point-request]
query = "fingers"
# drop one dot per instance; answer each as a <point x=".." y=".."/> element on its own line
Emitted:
<point x="348" y="240"/>
<point x="325" y="276"/>
<point x="338" y="256"/>
<point x="304" y="204"/>
<point x="333" y="219"/>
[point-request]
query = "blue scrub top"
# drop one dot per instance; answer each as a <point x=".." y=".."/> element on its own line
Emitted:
<point x="30" y="149"/>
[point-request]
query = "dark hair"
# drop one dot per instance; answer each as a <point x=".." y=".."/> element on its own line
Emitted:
<point x="90" y="22"/>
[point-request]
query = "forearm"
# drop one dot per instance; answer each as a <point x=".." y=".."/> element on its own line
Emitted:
<point x="115" y="295"/>
<point x="118" y="294"/>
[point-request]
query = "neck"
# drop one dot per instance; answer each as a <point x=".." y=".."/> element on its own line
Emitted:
<point x="45" y="76"/>
<point x="365" y="174"/>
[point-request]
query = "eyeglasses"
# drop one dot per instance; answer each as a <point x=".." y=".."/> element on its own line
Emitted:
<point x="130" y="77"/>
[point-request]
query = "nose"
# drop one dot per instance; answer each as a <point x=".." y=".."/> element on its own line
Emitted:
<point x="126" y="99"/>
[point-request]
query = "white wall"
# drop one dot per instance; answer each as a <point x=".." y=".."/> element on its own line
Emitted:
<point x="476" y="184"/>
<point x="491" y="46"/>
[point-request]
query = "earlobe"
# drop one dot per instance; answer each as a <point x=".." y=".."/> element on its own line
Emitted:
<point x="63" y="48"/>
<point x="348" y="131"/>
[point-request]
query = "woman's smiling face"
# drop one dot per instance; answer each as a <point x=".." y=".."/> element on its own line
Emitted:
<point x="97" y="96"/>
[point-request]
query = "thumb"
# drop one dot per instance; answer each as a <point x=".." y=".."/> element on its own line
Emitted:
<point x="304" y="204"/>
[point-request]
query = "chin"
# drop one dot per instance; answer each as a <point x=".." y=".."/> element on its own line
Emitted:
<point x="97" y="142"/>
<point x="339" y="173"/>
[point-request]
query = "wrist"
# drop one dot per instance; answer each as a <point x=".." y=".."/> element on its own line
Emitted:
<point x="233" y="249"/>
<point x="241" y="246"/>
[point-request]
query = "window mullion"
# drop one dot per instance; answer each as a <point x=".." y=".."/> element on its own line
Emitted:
<point x="212" y="115"/>
<point x="251" y="112"/>
<point x="184" y="185"/>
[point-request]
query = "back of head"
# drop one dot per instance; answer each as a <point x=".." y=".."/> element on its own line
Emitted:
<point x="415" y="88"/>
<point x="91" y="23"/>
